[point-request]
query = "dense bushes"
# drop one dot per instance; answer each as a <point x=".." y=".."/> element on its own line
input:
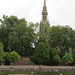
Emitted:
<point x="54" y="57"/>
<point x="2" y="53"/>
<point x="41" y="54"/>
<point x="68" y="58"/>
<point x="13" y="57"/>
<point x="45" y="56"/>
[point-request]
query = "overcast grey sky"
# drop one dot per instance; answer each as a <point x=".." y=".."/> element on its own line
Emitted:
<point x="59" y="11"/>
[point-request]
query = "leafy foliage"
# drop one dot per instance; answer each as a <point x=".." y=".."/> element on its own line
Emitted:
<point x="68" y="58"/>
<point x="2" y="53"/>
<point x="13" y="57"/>
<point x="41" y="54"/>
<point x="62" y="38"/>
<point x="44" y="33"/>
<point x="16" y="35"/>
<point x="54" y="57"/>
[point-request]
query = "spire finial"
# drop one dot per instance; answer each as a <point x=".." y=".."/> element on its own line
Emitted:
<point x="45" y="3"/>
<point x="44" y="13"/>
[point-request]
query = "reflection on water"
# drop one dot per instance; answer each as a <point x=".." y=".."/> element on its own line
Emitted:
<point x="20" y="74"/>
<point x="17" y="74"/>
<point x="37" y="73"/>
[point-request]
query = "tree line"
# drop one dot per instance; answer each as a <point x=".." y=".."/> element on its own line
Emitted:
<point x="16" y="35"/>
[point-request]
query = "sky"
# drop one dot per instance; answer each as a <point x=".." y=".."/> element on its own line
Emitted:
<point x="60" y="12"/>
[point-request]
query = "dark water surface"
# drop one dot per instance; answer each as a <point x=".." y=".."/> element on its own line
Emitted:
<point x="38" y="73"/>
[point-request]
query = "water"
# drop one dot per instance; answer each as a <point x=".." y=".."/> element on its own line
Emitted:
<point x="37" y="73"/>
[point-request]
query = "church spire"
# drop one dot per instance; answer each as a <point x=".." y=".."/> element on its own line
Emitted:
<point x="44" y="13"/>
<point x="44" y="7"/>
<point x="45" y="3"/>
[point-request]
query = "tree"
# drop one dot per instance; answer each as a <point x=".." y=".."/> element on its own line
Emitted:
<point x="13" y="57"/>
<point x="54" y="58"/>
<point x="62" y="38"/>
<point x="17" y="35"/>
<point x="41" y="54"/>
<point x="7" y="24"/>
<point x="2" y="53"/>
<point x="68" y="58"/>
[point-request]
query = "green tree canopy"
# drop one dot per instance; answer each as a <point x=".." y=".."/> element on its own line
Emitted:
<point x="68" y="58"/>
<point x="14" y="57"/>
<point x="2" y="53"/>
<point x="41" y="54"/>
<point x="62" y="38"/>
<point x="54" y="58"/>
<point x="17" y="35"/>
